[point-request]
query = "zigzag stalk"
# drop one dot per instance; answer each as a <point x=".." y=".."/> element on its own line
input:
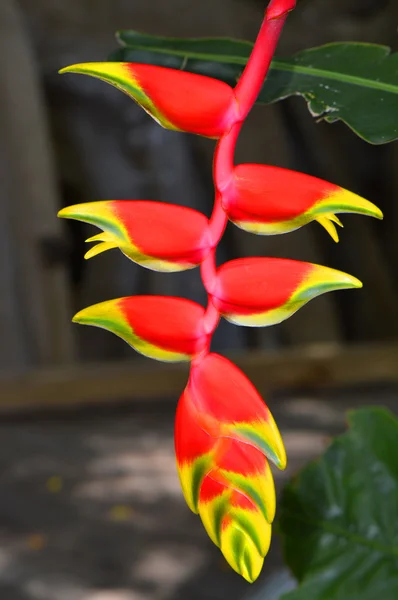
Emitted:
<point x="246" y="92"/>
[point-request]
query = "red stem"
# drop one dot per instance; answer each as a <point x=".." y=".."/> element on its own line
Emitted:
<point x="246" y="93"/>
<point x="223" y="163"/>
<point x="252" y="78"/>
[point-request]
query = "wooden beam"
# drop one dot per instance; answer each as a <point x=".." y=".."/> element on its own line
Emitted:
<point x="307" y="367"/>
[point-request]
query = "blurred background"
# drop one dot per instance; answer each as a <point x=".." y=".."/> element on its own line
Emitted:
<point x="90" y="506"/>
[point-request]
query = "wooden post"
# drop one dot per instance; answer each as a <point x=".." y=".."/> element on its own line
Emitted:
<point x="34" y="309"/>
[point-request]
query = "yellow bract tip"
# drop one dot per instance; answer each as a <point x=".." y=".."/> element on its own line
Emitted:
<point x="101" y="311"/>
<point x="241" y="553"/>
<point x="80" y="317"/>
<point x="335" y="219"/>
<point x="330" y="227"/>
<point x="103" y="70"/>
<point x="99" y="248"/>
<point x="77" y="68"/>
<point x="321" y="280"/>
<point x="278" y="447"/>
<point x="329" y="279"/>
<point x="100" y="237"/>
<point x="65" y="213"/>
<point x="343" y="201"/>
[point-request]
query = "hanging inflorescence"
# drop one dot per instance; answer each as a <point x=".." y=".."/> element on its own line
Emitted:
<point x="225" y="435"/>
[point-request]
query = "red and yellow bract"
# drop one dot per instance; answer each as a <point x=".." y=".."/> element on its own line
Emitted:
<point x="270" y="200"/>
<point x="225" y="435"/>
<point x="176" y="100"/>
<point x="159" y="236"/>
<point x="258" y="291"/>
<point x="161" y="327"/>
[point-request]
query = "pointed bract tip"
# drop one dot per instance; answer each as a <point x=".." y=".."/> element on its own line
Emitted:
<point x="96" y="213"/>
<point x="77" y="318"/>
<point x="80" y="211"/>
<point x="343" y="201"/>
<point x="241" y="553"/>
<point x="329" y="223"/>
<point x="330" y="227"/>
<point x="347" y="281"/>
<point x="323" y="279"/>
<point x="64" y="212"/>
<point x="357" y="283"/>
<point x="280" y="455"/>
<point x="92" y="314"/>
<point x="79" y="68"/>
<point x="81" y="317"/>
<point x="99" y="249"/>
<point x="339" y="280"/>
<point x="109" y="72"/>
<point x="376" y="212"/>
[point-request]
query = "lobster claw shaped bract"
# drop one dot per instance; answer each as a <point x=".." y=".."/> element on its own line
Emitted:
<point x="224" y="437"/>
<point x="176" y="99"/>
<point x="165" y="328"/>
<point x="159" y="236"/>
<point x="258" y="291"/>
<point x="270" y="200"/>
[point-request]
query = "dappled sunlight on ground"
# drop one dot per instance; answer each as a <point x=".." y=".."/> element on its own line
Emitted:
<point x="91" y="509"/>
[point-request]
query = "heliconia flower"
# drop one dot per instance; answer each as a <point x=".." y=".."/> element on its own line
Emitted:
<point x="162" y="327"/>
<point x="260" y="291"/>
<point x="224" y="436"/>
<point x="176" y="99"/>
<point x="159" y="236"/>
<point x="269" y="200"/>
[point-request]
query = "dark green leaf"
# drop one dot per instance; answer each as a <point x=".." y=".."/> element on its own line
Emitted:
<point x="353" y="82"/>
<point x="339" y="516"/>
<point x="219" y="49"/>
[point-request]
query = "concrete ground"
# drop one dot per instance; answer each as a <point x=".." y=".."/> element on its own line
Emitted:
<point x="90" y="505"/>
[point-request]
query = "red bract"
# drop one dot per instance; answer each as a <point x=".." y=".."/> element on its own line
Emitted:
<point x="225" y="435"/>
<point x="264" y="291"/>
<point x="161" y="327"/>
<point x="175" y="99"/>
<point x="226" y="403"/>
<point x="159" y="236"/>
<point x="271" y="200"/>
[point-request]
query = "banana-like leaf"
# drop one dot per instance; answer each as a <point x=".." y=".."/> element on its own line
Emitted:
<point x="339" y="516"/>
<point x="356" y="83"/>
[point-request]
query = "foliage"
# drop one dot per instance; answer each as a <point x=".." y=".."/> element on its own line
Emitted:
<point x="339" y="81"/>
<point x="339" y="516"/>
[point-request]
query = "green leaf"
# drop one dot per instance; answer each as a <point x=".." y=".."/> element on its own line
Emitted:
<point x="353" y="82"/>
<point x="339" y="516"/>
